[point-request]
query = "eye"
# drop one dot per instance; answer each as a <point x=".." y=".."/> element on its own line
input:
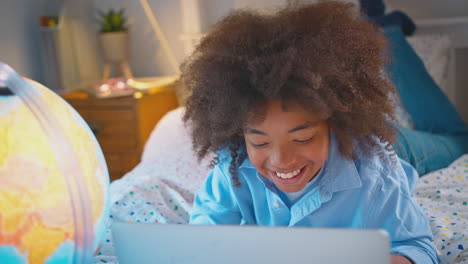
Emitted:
<point x="258" y="145"/>
<point x="305" y="140"/>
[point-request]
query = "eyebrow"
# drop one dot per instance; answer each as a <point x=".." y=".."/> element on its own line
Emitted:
<point x="255" y="131"/>
<point x="299" y="127"/>
<point x="304" y="126"/>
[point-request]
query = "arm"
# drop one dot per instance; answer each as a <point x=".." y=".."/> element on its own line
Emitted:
<point x="215" y="202"/>
<point x="398" y="259"/>
<point x="394" y="210"/>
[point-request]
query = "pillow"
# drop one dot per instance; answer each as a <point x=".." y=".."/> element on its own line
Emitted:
<point x="434" y="50"/>
<point x="169" y="150"/>
<point x="421" y="96"/>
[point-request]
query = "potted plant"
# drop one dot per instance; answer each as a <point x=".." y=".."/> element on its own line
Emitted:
<point x="114" y="36"/>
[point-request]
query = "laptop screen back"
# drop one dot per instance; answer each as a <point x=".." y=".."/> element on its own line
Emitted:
<point x="158" y="243"/>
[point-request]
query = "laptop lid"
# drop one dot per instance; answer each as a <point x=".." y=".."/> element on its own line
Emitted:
<point x="160" y="243"/>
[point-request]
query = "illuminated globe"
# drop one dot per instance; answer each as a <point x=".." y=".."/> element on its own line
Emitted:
<point x="53" y="177"/>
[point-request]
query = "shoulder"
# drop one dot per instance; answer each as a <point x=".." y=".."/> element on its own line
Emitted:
<point x="387" y="173"/>
<point x="223" y="163"/>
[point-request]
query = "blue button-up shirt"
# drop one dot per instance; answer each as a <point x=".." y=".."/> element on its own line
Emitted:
<point x="361" y="193"/>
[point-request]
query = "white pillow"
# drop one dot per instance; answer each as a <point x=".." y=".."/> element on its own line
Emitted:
<point x="434" y="50"/>
<point x="169" y="153"/>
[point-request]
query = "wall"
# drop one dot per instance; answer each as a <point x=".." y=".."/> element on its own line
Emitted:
<point x="21" y="41"/>
<point x="18" y="21"/>
<point x="148" y="58"/>
<point x="424" y="9"/>
<point x="147" y="55"/>
<point x="19" y="35"/>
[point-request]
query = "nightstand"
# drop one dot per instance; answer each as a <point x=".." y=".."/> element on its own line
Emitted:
<point x="123" y="124"/>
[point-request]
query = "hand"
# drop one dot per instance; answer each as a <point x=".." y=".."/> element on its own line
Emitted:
<point x="399" y="259"/>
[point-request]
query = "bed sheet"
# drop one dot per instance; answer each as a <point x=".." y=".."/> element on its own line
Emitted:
<point x="443" y="197"/>
<point x="144" y="195"/>
<point x="149" y="196"/>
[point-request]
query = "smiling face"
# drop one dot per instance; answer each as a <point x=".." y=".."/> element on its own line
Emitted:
<point x="289" y="147"/>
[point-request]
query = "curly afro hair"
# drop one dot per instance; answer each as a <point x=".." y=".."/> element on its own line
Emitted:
<point x="323" y="56"/>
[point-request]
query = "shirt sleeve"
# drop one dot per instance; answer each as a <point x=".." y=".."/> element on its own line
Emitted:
<point x="215" y="202"/>
<point x="394" y="210"/>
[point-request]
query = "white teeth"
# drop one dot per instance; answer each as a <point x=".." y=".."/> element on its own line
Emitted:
<point x="288" y="175"/>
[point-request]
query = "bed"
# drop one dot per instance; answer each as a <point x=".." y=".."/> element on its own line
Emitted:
<point x="161" y="188"/>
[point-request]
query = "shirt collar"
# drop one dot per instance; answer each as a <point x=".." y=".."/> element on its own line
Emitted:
<point x="339" y="173"/>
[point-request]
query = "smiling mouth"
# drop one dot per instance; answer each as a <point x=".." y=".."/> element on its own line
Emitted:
<point x="288" y="175"/>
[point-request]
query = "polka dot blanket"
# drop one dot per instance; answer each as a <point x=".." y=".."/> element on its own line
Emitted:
<point x="443" y="197"/>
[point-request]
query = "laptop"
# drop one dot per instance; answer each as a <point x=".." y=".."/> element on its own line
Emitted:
<point x="195" y="244"/>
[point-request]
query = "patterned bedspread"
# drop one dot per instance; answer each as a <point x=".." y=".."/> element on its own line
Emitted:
<point x="443" y="196"/>
<point x="149" y="196"/>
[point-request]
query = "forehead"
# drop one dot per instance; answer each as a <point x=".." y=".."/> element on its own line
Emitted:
<point x="276" y="110"/>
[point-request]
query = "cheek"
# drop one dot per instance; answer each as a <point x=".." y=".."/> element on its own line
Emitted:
<point x="318" y="151"/>
<point x="324" y="148"/>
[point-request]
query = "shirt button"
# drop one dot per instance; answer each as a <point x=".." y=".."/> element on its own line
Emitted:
<point x="277" y="205"/>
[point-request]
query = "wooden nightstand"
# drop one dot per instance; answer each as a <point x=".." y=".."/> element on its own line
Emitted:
<point x="123" y="124"/>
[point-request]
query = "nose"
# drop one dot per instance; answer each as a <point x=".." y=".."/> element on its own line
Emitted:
<point x="282" y="158"/>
